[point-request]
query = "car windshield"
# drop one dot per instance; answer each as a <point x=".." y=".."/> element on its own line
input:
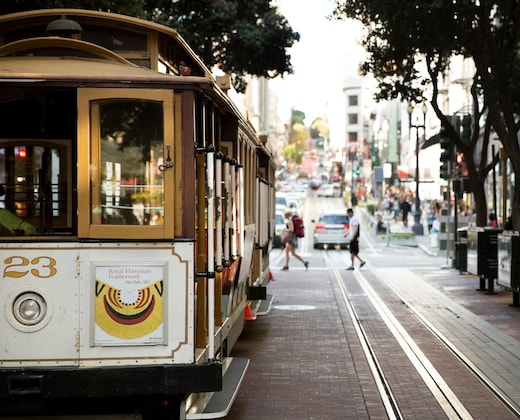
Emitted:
<point x="334" y="219"/>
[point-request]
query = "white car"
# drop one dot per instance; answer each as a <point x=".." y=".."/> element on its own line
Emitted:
<point x="294" y="206"/>
<point x="329" y="190"/>
<point x="281" y="203"/>
<point x="279" y="226"/>
<point x="332" y="228"/>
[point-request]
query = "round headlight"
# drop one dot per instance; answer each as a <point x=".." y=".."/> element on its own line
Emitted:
<point x="29" y="308"/>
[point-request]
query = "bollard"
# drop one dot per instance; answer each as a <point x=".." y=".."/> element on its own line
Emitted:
<point x="434" y="240"/>
<point x="387" y="220"/>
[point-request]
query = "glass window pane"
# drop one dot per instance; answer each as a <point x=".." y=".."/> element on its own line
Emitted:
<point x="33" y="179"/>
<point x="132" y="187"/>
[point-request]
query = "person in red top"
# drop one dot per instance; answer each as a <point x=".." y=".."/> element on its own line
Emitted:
<point x="492" y="220"/>
<point x="290" y="244"/>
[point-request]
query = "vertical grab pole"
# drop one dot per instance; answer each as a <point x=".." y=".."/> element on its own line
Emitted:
<point x="227" y="220"/>
<point x="210" y="188"/>
<point x="218" y="198"/>
<point x="241" y="216"/>
<point x="234" y="210"/>
<point x="258" y="229"/>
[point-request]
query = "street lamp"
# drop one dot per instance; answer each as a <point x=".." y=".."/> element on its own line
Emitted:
<point x="417" y="227"/>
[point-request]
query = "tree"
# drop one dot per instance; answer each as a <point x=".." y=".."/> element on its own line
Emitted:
<point x="239" y="37"/>
<point x="128" y="7"/>
<point x="320" y="128"/>
<point x="403" y="37"/>
<point x="297" y="140"/>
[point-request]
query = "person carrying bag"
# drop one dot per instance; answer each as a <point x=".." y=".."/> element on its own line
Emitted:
<point x="290" y="241"/>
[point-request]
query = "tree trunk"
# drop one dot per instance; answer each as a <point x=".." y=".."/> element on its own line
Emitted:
<point x="514" y="191"/>
<point x="479" y="195"/>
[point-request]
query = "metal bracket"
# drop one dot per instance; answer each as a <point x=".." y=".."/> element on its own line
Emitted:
<point x="168" y="163"/>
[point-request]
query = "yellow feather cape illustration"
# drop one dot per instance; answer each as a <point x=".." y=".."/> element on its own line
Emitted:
<point x="129" y="318"/>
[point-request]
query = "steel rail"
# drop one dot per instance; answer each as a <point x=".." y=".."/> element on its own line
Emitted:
<point x="483" y="378"/>
<point x="385" y="392"/>
<point x="447" y="399"/>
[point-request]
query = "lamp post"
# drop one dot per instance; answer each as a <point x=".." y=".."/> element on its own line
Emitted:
<point x="417" y="227"/>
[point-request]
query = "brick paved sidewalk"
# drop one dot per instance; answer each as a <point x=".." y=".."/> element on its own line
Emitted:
<point x="302" y="365"/>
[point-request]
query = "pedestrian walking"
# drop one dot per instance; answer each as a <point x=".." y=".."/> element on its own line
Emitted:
<point x="291" y="241"/>
<point x="354" y="240"/>
<point x="405" y="209"/>
<point x="396" y="206"/>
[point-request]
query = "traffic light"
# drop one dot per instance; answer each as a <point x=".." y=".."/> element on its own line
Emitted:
<point x="446" y="154"/>
<point x="466" y="129"/>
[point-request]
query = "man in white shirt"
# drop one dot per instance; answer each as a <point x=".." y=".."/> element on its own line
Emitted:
<point x="354" y="240"/>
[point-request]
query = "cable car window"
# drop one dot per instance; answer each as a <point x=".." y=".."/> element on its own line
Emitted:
<point x="125" y="163"/>
<point x="34" y="187"/>
<point x="115" y="39"/>
<point x="132" y="187"/>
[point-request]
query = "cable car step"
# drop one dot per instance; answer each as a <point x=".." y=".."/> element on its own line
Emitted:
<point x="219" y="403"/>
<point x="265" y="305"/>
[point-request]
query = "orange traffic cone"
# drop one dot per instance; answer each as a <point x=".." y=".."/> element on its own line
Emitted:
<point x="271" y="277"/>
<point x="248" y="313"/>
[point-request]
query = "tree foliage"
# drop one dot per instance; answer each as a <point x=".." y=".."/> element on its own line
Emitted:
<point x="128" y="7"/>
<point x="404" y="37"/>
<point x="297" y="141"/>
<point x="241" y="37"/>
<point x="320" y="128"/>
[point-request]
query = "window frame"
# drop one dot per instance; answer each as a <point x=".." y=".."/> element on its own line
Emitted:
<point x="89" y="171"/>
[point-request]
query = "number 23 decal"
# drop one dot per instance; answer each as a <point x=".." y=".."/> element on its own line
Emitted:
<point x="17" y="267"/>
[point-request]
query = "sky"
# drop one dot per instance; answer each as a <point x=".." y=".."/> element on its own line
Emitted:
<point x="328" y="52"/>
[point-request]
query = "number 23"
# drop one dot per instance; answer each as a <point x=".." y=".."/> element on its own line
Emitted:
<point x="18" y="267"/>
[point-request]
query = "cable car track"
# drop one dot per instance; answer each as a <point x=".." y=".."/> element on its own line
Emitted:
<point x="389" y="401"/>
<point x="460" y="355"/>
<point x="444" y="395"/>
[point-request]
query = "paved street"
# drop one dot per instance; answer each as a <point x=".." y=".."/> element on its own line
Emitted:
<point x="308" y="360"/>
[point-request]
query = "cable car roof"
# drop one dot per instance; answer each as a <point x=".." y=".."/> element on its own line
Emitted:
<point x="77" y="68"/>
<point x="135" y="39"/>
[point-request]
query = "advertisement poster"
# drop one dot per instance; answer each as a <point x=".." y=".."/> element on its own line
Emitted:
<point x="129" y="304"/>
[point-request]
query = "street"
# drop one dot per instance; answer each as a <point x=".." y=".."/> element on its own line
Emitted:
<point x="402" y="337"/>
<point x="376" y="251"/>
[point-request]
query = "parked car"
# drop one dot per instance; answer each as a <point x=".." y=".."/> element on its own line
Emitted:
<point x="279" y="226"/>
<point x="314" y="184"/>
<point x="300" y="191"/>
<point x="332" y="228"/>
<point x="281" y="203"/>
<point x="329" y="190"/>
<point x="294" y="206"/>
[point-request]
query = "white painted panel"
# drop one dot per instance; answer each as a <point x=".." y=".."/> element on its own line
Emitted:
<point x="165" y="333"/>
<point x="51" y="274"/>
<point x="64" y="274"/>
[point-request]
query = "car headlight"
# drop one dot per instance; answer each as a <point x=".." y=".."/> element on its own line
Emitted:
<point x="29" y="308"/>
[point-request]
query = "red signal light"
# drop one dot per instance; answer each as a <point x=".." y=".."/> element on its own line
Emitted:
<point x="22" y="153"/>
